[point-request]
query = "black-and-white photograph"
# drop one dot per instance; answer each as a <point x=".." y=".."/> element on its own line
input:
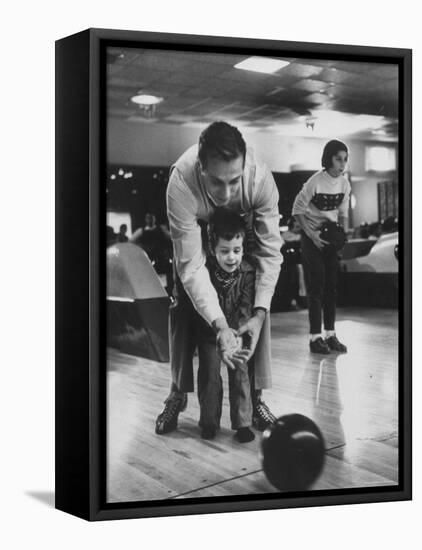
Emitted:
<point x="252" y="264"/>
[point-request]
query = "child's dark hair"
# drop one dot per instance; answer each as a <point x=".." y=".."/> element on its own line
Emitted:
<point x="332" y="148"/>
<point x="225" y="224"/>
<point x="221" y="140"/>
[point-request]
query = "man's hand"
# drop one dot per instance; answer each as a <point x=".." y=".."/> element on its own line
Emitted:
<point x="316" y="239"/>
<point x="252" y="329"/>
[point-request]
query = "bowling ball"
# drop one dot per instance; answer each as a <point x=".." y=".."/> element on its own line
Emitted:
<point x="291" y="253"/>
<point x="293" y="452"/>
<point x="334" y="234"/>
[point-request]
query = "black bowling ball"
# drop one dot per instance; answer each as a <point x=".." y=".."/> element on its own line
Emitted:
<point x="334" y="234"/>
<point x="293" y="452"/>
<point x="291" y="253"/>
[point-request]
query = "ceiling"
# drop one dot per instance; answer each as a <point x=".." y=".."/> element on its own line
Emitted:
<point x="314" y="98"/>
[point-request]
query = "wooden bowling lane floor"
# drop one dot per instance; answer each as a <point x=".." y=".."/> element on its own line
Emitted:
<point x="353" y="398"/>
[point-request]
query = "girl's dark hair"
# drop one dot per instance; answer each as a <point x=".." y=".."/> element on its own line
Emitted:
<point x="221" y="140"/>
<point x="225" y="224"/>
<point x="332" y="148"/>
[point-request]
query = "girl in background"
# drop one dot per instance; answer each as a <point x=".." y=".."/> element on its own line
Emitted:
<point x="324" y="197"/>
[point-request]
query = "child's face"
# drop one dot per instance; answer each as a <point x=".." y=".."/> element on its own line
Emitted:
<point x="229" y="253"/>
<point x="338" y="164"/>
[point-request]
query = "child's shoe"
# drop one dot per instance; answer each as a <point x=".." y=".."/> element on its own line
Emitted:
<point x="208" y="433"/>
<point x="244" y="435"/>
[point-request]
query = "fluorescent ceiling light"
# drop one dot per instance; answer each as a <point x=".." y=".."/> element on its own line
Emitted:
<point x="328" y="124"/>
<point x="143" y="99"/>
<point x="262" y="64"/>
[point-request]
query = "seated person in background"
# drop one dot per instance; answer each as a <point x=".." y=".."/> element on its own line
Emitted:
<point x="150" y="237"/>
<point x="121" y="235"/>
<point x="234" y="280"/>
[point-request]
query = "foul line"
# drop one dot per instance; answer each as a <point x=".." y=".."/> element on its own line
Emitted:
<point x="235" y="477"/>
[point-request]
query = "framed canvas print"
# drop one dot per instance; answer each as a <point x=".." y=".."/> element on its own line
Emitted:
<point x="233" y="274"/>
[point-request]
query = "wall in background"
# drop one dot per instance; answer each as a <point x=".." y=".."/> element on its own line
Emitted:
<point x="148" y="144"/>
<point x="366" y="194"/>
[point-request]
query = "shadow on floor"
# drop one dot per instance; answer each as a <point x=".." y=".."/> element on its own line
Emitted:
<point x="45" y="497"/>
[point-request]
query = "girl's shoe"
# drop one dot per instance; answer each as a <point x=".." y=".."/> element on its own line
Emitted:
<point x="319" y="346"/>
<point x="335" y="345"/>
<point x="208" y="433"/>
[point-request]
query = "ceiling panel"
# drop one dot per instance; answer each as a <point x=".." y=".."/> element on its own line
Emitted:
<point x="199" y="87"/>
<point x="310" y="85"/>
<point x="236" y="109"/>
<point x="152" y="59"/>
<point x="203" y="108"/>
<point x="352" y="66"/>
<point x="140" y="74"/>
<point x="219" y="59"/>
<point x="205" y="70"/>
<point x="334" y="75"/>
<point x="251" y="77"/>
<point x="316" y="98"/>
<point x="299" y="70"/>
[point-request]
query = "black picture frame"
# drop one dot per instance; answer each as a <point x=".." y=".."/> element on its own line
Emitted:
<point x="80" y="274"/>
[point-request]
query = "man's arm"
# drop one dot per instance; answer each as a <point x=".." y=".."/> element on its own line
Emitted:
<point x="267" y="253"/>
<point x="190" y="262"/>
<point x="267" y="239"/>
<point x="188" y="251"/>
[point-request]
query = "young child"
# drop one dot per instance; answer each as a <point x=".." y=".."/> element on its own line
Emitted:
<point x="324" y="197"/>
<point x="234" y="280"/>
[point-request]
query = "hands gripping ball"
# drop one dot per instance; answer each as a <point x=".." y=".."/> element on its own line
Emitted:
<point x="334" y="234"/>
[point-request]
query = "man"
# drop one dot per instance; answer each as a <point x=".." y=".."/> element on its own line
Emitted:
<point x="220" y="171"/>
